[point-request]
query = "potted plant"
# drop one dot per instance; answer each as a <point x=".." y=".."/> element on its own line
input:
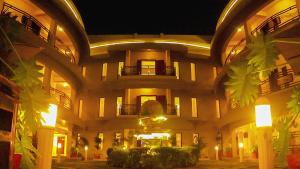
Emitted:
<point x="98" y="142"/>
<point x="254" y="152"/>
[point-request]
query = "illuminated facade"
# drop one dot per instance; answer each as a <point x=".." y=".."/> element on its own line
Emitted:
<point x="238" y="22"/>
<point x="101" y="82"/>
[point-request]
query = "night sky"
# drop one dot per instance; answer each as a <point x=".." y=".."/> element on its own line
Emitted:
<point x="150" y="16"/>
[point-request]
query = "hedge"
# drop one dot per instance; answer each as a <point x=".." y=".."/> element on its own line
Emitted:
<point x="156" y="158"/>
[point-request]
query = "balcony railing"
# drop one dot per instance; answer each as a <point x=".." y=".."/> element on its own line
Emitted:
<point x="236" y="49"/>
<point x="134" y="109"/>
<point x="65" y="50"/>
<point x="148" y="70"/>
<point x="278" y="81"/>
<point x="278" y="20"/>
<point x="28" y="21"/>
<point x="61" y="98"/>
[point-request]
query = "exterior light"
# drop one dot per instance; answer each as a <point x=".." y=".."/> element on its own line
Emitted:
<point x="49" y="118"/>
<point x="239" y="29"/>
<point x="60" y="28"/>
<point x="241" y="145"/>
<point x="160" y="118"/>
<point x="263" y="113"/>
<point x="86" y="148"/>
<point x="65" y="84"/>
<point x="216" y="148"/>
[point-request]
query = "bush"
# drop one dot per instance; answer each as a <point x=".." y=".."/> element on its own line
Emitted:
<point x="117" y="157"/>
<point x="157" y="158"/>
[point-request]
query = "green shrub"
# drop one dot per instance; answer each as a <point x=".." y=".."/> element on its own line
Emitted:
<point x="117" y="157"/>
<point x="157" y="158"/>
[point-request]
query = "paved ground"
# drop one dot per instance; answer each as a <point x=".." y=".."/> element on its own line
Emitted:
<point x="207" y="164"/>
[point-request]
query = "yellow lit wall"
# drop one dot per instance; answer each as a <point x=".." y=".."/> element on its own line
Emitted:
<point x="120" y="67"/>
<point x="80" y="108"/>
<point x="147" y="98"/>
<point x="148" y="67"/>
<point x="119" y="105"/>
<point x="218" y="114"/>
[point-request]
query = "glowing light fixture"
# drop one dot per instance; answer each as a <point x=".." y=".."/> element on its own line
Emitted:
<point x="59" y="145"/>
<point x="49" y="118"/>
<point x="160" y="118"/>
<point x="153" y="136"/>
<point x="239" y="29"/>
<point x="263" y="113"/>
<point x="60" y="29"/>
<point x="86" y="148"/>
<point x="241" y="145"/>
<point x="216" y="148"/>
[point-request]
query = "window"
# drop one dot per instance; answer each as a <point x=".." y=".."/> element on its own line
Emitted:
<point x="194" y="107"/>
<point x="118" y="137"/>
<point x="178" y="139"/>
<point x="104" y="71"/>
<point x="83" y="71"/>
<point x="146" y="98"/>
<point x="120" y="67"/>
<point x="195" y="138"/>
<point x="119" y="105"/>
<point x="193" y="72"/>
<point x="177" y="105"/>
<point x="215" y="72"/>
<point x="218" y="114"/>
<point x="148" y="67"/>
<point x="176" y="67"/>
<point x="101" y="107"/>
<point x="101" y="136"/>
<point x="80" y="108"/>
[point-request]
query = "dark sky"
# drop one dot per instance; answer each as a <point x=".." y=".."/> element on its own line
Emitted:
<point x="150" y="16"/>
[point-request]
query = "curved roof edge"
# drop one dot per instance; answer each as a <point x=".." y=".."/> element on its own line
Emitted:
<point x="232" y="16"/>
<point x="66" y="14"/>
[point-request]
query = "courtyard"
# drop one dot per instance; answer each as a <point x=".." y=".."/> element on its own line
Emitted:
<point x="203" y="164"/>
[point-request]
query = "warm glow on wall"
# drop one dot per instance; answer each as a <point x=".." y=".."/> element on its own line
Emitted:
<point x="263" y="115"/>
<point x="153" y="136"/>
<point x="49" y="118"/>
<point x="241" y="145"/>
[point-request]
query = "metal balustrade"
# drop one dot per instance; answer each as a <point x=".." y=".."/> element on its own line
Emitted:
<point x="278" y="20"/>
<point x="29" y="22"/>
<point x="134" y="109"/>
<point x="61" y="98"/>
<point x="148" y="70"/>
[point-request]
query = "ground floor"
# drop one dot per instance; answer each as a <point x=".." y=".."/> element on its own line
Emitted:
<point x="203" y="164"/>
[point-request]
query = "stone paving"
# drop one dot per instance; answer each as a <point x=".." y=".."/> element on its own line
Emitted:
<point x="205" y="164"/>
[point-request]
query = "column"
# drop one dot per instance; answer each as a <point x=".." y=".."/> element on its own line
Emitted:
<point x="167" y="57"/>
<point x="47" y="78"/>
<point x="234" y="144"/>
<point x="169" y="101"/>
<point x="52" y="35"/>
<point x="127" y="59"/>
<point x="45" y="141"/>
<point x="298" y="5"/>
<point x="247" y="29"/>
<point x="1" y="4"/>
<point x="264" y="139"/>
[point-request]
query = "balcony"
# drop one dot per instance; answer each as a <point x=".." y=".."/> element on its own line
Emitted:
<point x="278" y="81"/>
<point x="29" y="22"/>
<point x="61" y="98"/>
<point x="278" y="20"/>
<point x="134" y="109"/>
<point x="148" y="71"/>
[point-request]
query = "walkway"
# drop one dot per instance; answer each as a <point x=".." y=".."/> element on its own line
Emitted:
<point x="207" y="164"/>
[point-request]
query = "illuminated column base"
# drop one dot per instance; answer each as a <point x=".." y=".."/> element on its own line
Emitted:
<point x="241" y="153"/>
<point x="265" y="149"/>
<point x="45" y="143"/>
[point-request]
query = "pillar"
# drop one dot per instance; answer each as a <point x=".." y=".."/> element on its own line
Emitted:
<point x="47" y="78"/>
<point x="1" y="4"/>
<point x="234" y="144"/>
<point x="52" y="35"/>
<point x="247" y="29"/>
<point x="298" y="5"/>
<point x="265" y="148"/>
<point x="167" y="57"/>
<point x="127" y="59"/>
<point x="45" y="141"/>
